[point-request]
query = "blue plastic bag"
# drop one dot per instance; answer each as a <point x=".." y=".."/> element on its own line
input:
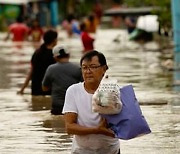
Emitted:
<point x="130" y="122"/>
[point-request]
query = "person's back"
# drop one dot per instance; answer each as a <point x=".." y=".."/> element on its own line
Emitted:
<point x="59" y="77"/>
<point x="40" y="60"/>
<point x="62" y="75"/>
<point x="19" y="30"/>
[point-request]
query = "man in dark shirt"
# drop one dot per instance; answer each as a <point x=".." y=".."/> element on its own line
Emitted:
<point x="41" y="59"/>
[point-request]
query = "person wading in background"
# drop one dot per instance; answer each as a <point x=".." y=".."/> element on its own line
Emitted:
<point x="87" y="40"/>
<point x="40" y="60"/>
<point x="59" y="77"/>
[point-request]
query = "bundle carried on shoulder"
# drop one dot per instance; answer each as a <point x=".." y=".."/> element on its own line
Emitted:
<point x="106" y="99"/>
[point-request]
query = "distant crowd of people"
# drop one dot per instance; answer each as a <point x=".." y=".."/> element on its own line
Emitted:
<point x="19" y="31"/>
<point x="85" y="29"/>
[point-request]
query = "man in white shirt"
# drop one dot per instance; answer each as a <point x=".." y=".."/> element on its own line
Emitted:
<point x="91" y="135"/>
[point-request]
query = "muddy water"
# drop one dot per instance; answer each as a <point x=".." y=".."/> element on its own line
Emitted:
<point x="26" y="125"/>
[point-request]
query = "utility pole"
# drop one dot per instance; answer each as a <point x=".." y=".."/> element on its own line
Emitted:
<point x="175" y="5"/>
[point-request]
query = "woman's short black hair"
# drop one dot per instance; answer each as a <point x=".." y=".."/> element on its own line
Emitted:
<point x="50" y="36"/>
<point x="88" y="56"/>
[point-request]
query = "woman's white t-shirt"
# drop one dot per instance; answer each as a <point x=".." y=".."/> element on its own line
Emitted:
<point x="77" y="100"/>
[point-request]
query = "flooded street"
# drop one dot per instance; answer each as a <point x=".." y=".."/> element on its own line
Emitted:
<point x="26" y="124"/>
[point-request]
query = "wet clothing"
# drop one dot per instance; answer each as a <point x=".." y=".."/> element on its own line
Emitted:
<point x="59" y="77"/>
<point x="40" y="61"/>
<point x="87" y="41"/>
<point x="19" y="31"/>
<point x="79" y="101"/>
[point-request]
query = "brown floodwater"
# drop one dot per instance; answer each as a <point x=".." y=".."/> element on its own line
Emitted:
<point x="27" y="126"/>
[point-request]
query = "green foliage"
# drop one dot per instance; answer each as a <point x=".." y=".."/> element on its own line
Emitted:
<point x="83" y="8"/>
<point x="164" y="13"/>
<point x="79" y="8"/>
<point x="11" y="11"/>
